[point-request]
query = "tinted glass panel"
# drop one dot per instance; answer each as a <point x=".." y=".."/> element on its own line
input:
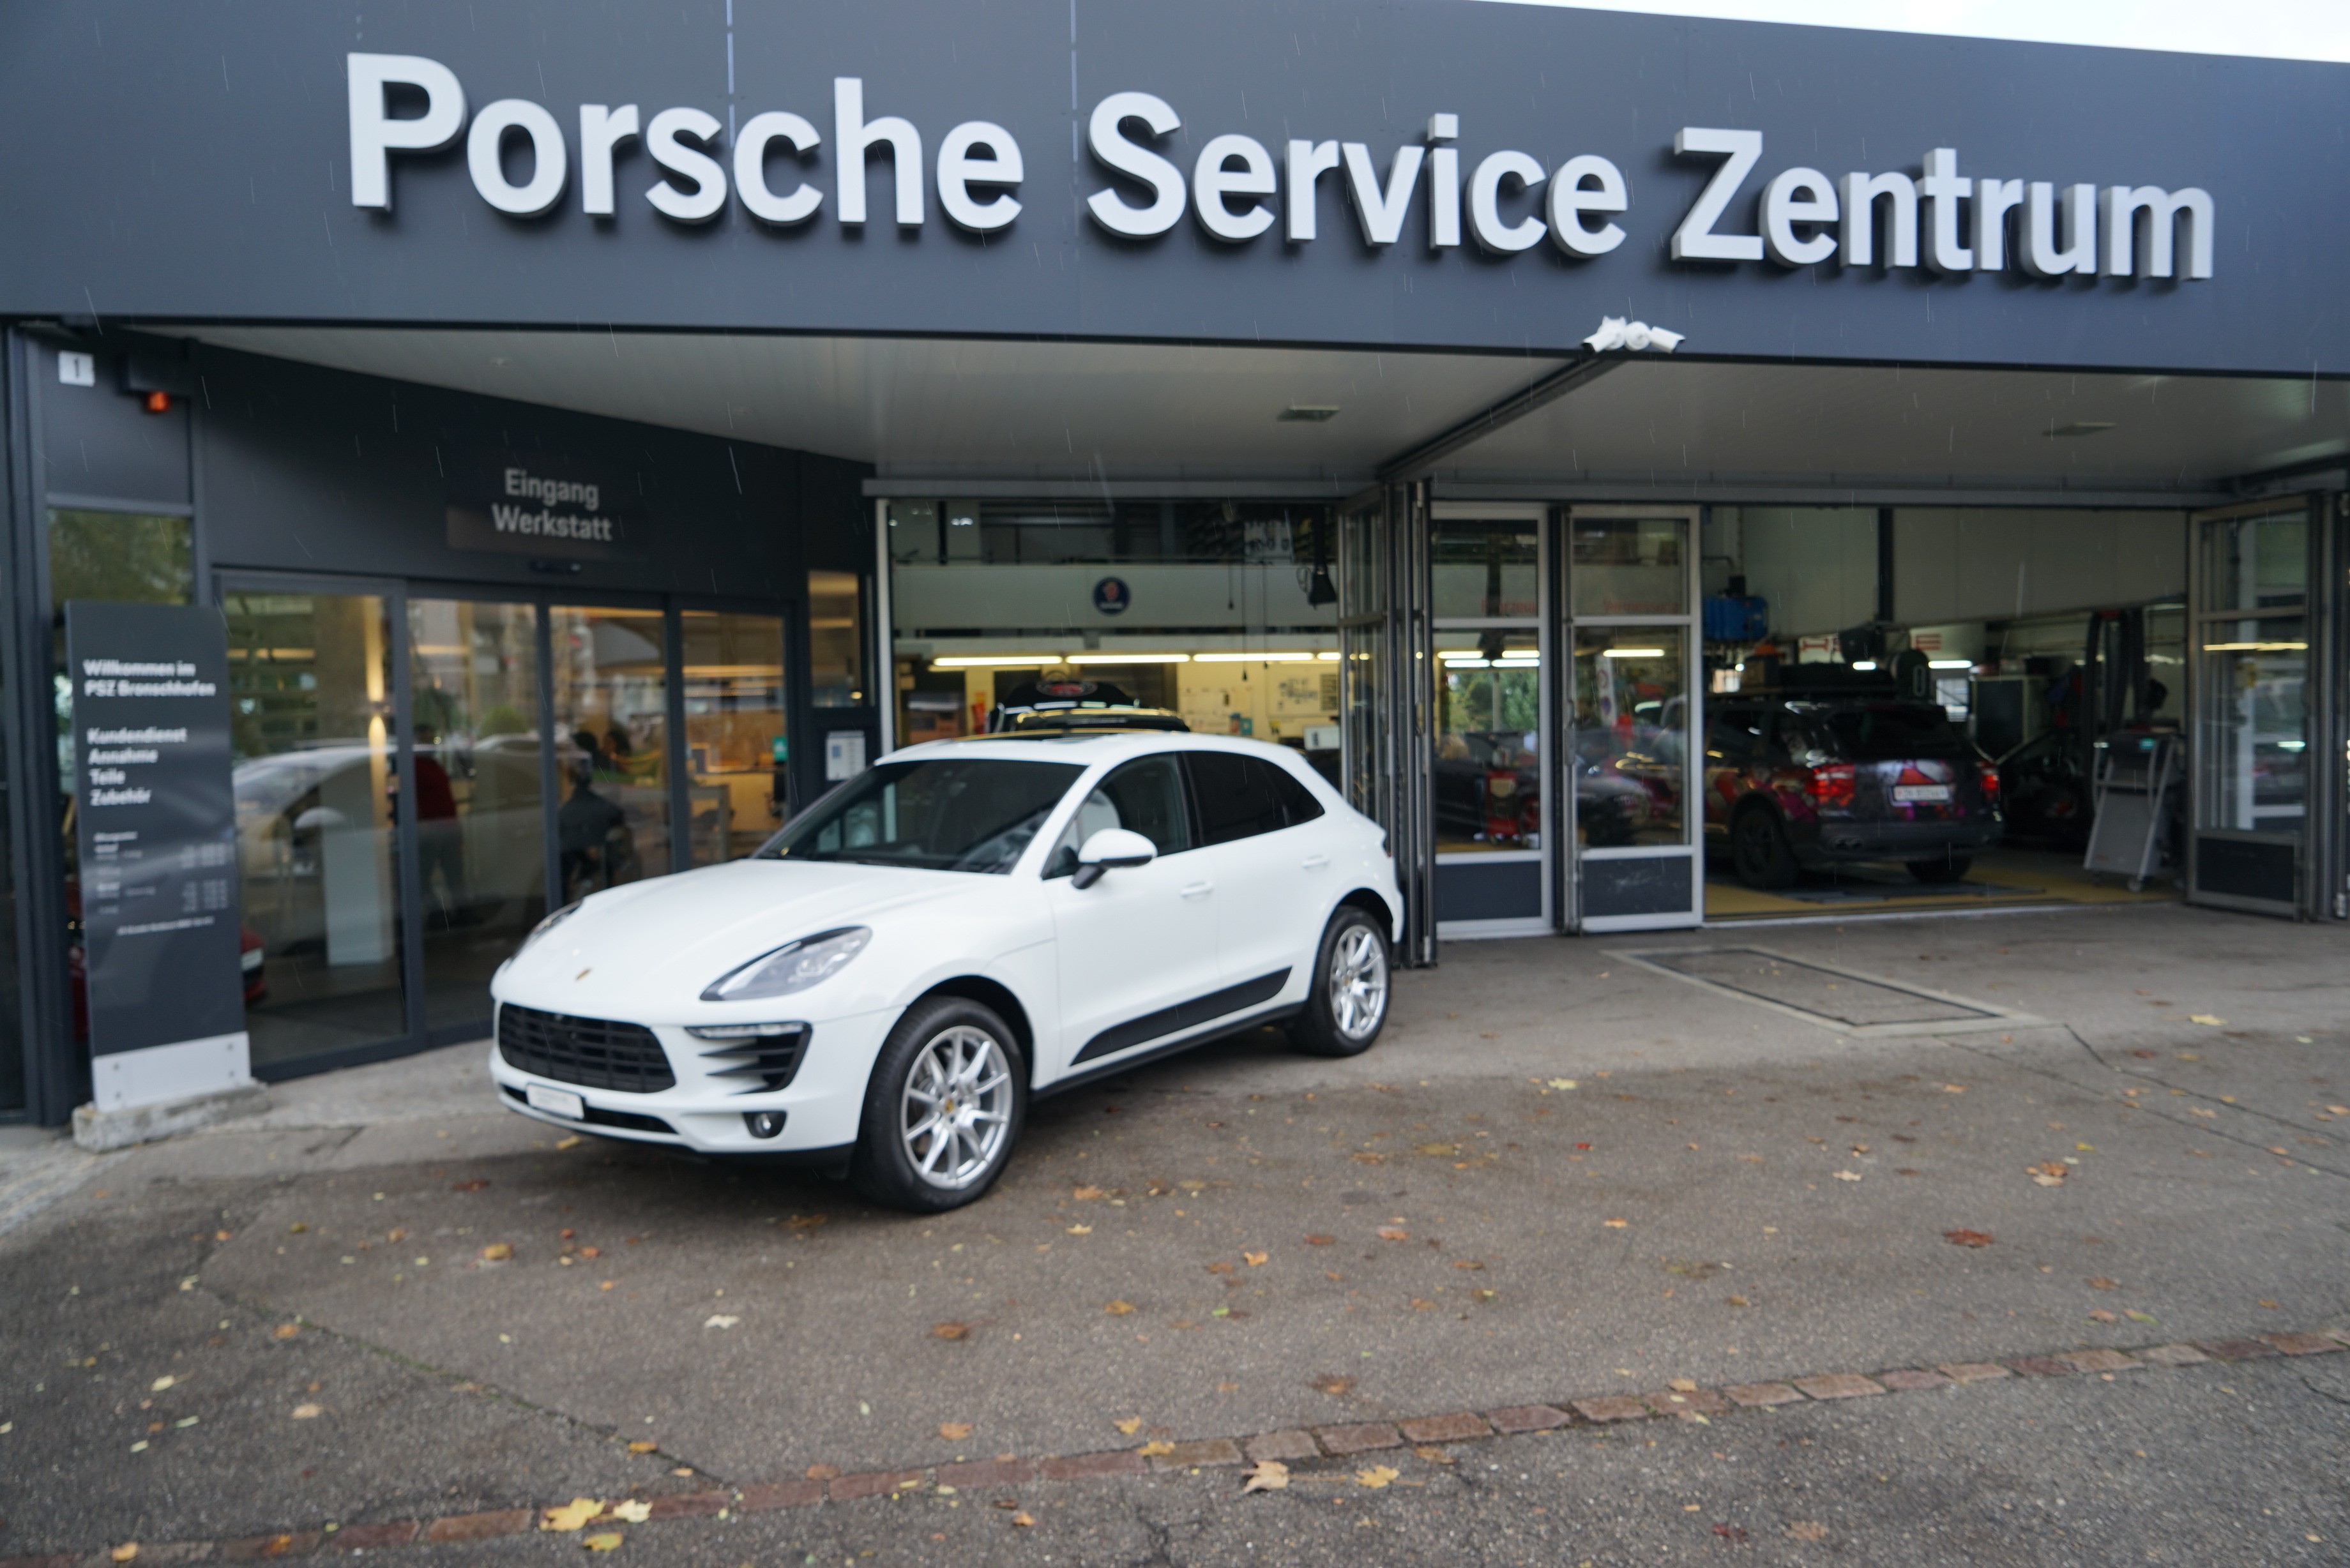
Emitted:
<point x="1487" y="772"/>
<point x="733" y="732"/>
<point x="1483" y="571"/>
<point x="1298" y="802"/>
<point x="1632" y="737"/>
<point x="960" y="814"/>
<point x="1890" y="732"/>
<point x="2252" y="740"/>
<point x="1629" y="566"/>
<point x="1145" y="797"/>
<point x="1236" y="796"/>
<point x="612" y="727"/>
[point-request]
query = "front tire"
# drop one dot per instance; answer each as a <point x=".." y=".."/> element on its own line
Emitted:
<point x="1761" y="851"/>
<point x="1346" y="1001"/>
<point x="943" y="1108"/>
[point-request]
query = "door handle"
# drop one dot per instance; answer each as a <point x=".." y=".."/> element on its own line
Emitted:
<point x="1198" y="889"/>
<point x="1316" y="862"/>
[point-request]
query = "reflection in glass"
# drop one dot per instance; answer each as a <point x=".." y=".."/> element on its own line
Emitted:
<point x="835" y="639"/>
<point x="1629" y="566"/>
<point x="1488" y="774"/>
<point x="2256" y="563"/>
<point x="1362" y="573"/>
<point x="1631" y="736"/>
<point x="611" y="733"/>
<point x="481" y="815"/>
<point x="1485" y="571"/>
<point x="311" y="685"/>
<point x="2253" y="736"/>
<point x="733" y="732"/>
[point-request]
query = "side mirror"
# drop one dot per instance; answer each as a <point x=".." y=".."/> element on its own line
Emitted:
<point x="1112" y="847"/>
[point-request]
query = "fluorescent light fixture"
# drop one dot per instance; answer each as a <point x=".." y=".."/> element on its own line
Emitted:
<point x="1950" y="664"/>
<point x="1129" y="658"/>
<point x="1638" y="653"/>
<point x="1461" y="656"/>
<point x="1471" y="663"/>
<point x="1276" y="656"/>
<point x="1528" y="662"/>
<point x="984" y="660"/>
<point x="1864" y="664"/>
<point x="2256" y="648"/>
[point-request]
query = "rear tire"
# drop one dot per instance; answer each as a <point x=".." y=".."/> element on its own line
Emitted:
<point x="943" y="1108"/>
<point x="1761" y="851"/>
<point x="1941" y="873"/>
<point x="1347" y="991"/>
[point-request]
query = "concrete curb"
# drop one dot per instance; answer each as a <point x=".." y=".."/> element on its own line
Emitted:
<point x="1292" y="1445"/>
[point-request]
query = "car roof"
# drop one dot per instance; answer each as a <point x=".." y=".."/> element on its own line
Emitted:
<point x="1086" y="747"/>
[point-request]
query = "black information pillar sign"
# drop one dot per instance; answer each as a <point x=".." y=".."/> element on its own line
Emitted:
<point x="156" y="825"/>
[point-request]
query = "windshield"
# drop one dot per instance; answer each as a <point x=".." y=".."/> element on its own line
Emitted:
<point x="1891" y="732"/>
<point x="949" y="814"/>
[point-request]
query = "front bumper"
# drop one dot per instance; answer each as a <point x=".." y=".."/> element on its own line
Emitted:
<point x="822" y="1105"/>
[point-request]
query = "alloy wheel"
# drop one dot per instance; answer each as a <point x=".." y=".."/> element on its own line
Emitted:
<point x="956" y="1111"/>
<point x="1358" y="981"/>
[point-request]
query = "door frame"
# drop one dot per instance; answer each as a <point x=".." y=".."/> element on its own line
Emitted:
<point x="1571" y="856"/>
<point x="1546" y="704"/>
<point x="2310" y="896"/>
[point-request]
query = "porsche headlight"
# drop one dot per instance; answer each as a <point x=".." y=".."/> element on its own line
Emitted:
<point x="549" y="924"/>
<point x="792" y="968"/>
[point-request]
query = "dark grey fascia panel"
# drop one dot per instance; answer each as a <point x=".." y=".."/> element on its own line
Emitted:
<point x="1730" y="492"/>
<point x="195" y="164"/>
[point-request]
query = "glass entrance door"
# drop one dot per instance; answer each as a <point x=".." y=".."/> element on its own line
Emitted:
<point x="1627" y="782"/>
<point x="2249" y="669"/>
<point x="1489" y="775"/>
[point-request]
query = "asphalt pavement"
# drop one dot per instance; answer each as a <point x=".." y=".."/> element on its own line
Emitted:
<point x="1565" y="1173"/>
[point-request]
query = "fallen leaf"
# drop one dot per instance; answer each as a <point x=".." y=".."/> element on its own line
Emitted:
<point x="2042" y="1179"/>
<point x="1377" y="1476"/>
<point x="126" y="1551"/>
<point x="1131" y="1425"/>
<point x="1155" y="1447"/>
<point x="1967" y="1238"/>
<point x="1616" y="1224"/>
<point x="1334" y="1385"/>
<point x="285" y="1330"/>
<point x="823" y="1472"/>
<point x="2271" y="1306"/>
<point x="721" y="1320"/>
<point x="2100" y="1315"/>
<point x="1081" y="1229"/>
<point x="574" y="1141"/>
<point x="2137" y="1316"/>
<point x="2206" y="1019"/>
<point x="1735" y="1301"/>
<point x="632" y="1511"/>
<point x="498" y="1252"/>
<point x="1847" y="1176"/>
<point x="161" y="1383"/>
<point x="1086" y="1194"/>
<point x="951" y="1330"/>
<point x="1681" y="1385"/>
<point x="474" y="1186"/>
<point x="1435" y="1455"/>
<point x="1733" y="1533"/>
<point x="1808" y="1529"/>
<point x="1446" y="1149"/>
<point x="1394" y="1233"/>
<point x="1219" y="1269"/>
<point x="1022" y="1521"/>
<point x="1947" y="1089"/>
<point x="297" y="1227"/>
<point x="1266" y="1475"/>
<point x="1466" y="1263"/>
<point x="399" y="1234"/>
<point x="307" y="1412"/>
<point x="1118" y="1309"/>
<point x="2102" y="1284"/>
<point x="954" y="1431"/>
<point x="1360" y="1158"/>
<point x="1320" y="1240"/>
<point x="643" y="1446"/>
<point x="1562" y="1082"/>
<point x="1484" y="1295"/>
<point x="572" y="1515"/>
<point x="1254" y="1258"/>
<point x="608" y="1542"/>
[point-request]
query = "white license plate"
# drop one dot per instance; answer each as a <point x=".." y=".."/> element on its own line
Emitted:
<point x="562" y="1102"/>
<point x="1937" y="793"/>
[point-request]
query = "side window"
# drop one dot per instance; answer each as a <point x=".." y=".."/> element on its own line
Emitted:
<point x="1298" y="802"/>
<point x="1144" y="796"/>
<point x="1734" y="734"/>
<point x="1236" y="796"/>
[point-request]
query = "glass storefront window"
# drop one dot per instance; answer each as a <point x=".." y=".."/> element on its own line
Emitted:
<point x="611" y="739"/>
<point x="310" y="686"/>
<point x="735" y="744"/>
<point x="1485" y="571"/>
<point x="835" y="639"/>
<point x="1629" y="566"/>
<point x="1631" y="729"/>
<point x="1488" y="768"/>
<point x="2253" y="736"/>
<point x="480" y="807"/>
<point x="2256" y="563"/>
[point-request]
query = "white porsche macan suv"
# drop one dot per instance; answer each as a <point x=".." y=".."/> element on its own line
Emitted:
<point x="884" y="986"/>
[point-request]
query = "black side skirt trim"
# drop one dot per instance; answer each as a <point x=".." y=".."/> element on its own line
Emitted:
<point x="1183" y="1015"/>
<point x="1172" y="1048"/>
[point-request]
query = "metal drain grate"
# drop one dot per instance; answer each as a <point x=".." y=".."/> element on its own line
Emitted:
<point x="1846" y="1001"/>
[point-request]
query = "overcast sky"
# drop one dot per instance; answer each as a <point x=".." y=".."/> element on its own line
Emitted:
<point x="2292" y="29"/>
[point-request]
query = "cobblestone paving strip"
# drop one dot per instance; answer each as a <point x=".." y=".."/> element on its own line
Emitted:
<point x="1289" y="1446"/>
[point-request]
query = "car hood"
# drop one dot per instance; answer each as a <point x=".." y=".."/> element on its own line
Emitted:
<point x="659" y="942"/>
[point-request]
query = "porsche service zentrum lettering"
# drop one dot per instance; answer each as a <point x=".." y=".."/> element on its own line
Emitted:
<point x="1239" y="190"/>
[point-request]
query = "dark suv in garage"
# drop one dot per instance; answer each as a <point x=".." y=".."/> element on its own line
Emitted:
<point x="1792" y="784"/>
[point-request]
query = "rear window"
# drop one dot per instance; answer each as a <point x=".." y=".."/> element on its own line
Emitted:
<point x="1889" y="732"/>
